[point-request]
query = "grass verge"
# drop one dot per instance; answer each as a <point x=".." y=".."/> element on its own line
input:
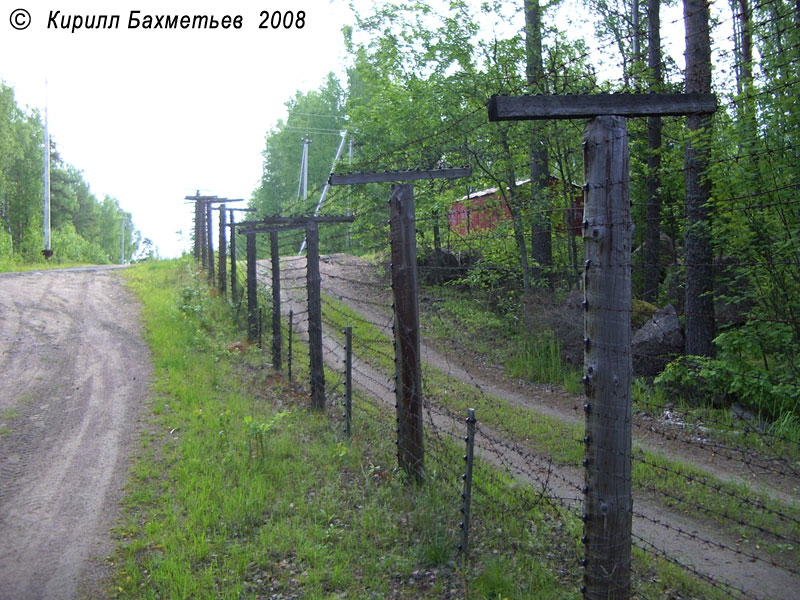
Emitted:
<point x="239" y="490"/>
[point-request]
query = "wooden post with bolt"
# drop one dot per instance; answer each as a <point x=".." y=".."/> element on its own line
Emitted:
<point x="466" y="496"/>
<point x="276" y="300"/>
<point x="314" y="279"/>
<point x="607" y="233"/>
<point x="406" y="330"/>
<point x="222" y="270"/>
<point x="408" y="377"/>
<point x="252" y="292"/>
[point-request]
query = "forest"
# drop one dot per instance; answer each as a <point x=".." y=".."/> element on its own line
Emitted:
<point x="85" y="229"/>
<point x="714" y="199"/>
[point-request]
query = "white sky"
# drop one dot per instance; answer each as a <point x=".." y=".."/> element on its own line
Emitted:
<point x="153" y="116"/>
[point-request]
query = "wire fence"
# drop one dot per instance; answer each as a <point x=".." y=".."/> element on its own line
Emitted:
<point x="714" y="487"/>
<point x="753" y="529"/>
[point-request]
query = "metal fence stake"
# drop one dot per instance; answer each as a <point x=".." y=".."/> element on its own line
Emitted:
<point x="291" y="325"/>
<point x="466" y="496"/>
<point x="348" y="380"/>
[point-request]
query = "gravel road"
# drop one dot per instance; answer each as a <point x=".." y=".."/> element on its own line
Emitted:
<point x="75" y="378"/>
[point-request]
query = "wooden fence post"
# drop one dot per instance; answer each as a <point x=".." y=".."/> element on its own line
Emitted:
<point x="406" y="331"/>
<point x="223" y="252"/>
<point x="210" y="242"/>
<point x="203" y="232"/>
<point x="252" y="298"/>
<point x="198" y="225"/>
<point x="313" y="280"/>
<point x="607" y="234"/>
<point x="276" y="299"/>
<point x="234" y="282"/>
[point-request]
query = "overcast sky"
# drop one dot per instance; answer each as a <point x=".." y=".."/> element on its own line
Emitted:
<point x="153" y="116"/>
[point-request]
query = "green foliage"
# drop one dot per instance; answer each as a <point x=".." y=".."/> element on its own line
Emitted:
<point x="83" y="228"/>
<point x="6" y="246"/>
<point x="68" y="246"/>
<point x="694" y="379"/>
<point x="256" y="430"/>
<point x="418" y="77"/>
<point x="720" y="381"/>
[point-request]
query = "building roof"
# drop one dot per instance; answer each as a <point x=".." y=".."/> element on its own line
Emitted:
<point x="489" y="191"/>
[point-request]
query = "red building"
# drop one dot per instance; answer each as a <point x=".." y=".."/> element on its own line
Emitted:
<point x="483" y="210"/>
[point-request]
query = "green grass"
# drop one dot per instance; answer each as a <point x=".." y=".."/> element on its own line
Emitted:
<point x="538" y="359"/>
<point x="214" y="510"/>
<point x="14" y="267"/>
<point x="9" y="413"/>
<point x="212" y="513"/>
<point x="674" y="483"/>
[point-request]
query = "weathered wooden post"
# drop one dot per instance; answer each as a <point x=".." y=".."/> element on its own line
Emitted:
<point x="408" y="379"/>
<point x="406" y="330"/>
<point x="210" y="242"/>
<point x="607" y="235"/>
<point x="223" y="252"/>
<point x="697" y="236"/>
<point x="607" y="231"/>
<point x="273" y="225"/>
<point x="203" y="232"/>
<point x="252" y="297"/>
<point x="198" y="225"/>
<point x="203" y="244"/>
<point x="276" y="299"/>
<point x="313" y="280"/>
<point x="234" y="282"/>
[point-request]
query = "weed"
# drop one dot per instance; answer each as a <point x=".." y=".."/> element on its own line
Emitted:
<point x="256" y="430"/>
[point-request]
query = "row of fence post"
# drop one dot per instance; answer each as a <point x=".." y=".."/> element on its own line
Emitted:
<point x="406" y="327"/>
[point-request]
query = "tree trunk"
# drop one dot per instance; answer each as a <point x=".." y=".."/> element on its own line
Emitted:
<point x="652" y="245"/>
<point x="541" y="242"/>
<point x="636" y="35"/>
<point x="437" y="236"/>
<point x="700" y="326"/>
<point x="516" y="217"/>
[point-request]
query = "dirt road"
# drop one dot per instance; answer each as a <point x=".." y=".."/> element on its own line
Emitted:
<point x="75" y="377"/>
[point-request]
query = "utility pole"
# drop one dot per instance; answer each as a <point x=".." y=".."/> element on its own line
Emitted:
<point x="47" y="252"/>
<point x="302" y="184"/>
<point x="327" y="186"/>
